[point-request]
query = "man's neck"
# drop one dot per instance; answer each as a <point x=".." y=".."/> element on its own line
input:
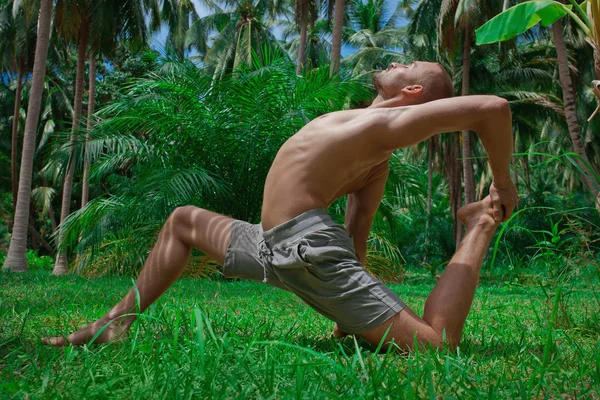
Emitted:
<point x="382" y="102"/>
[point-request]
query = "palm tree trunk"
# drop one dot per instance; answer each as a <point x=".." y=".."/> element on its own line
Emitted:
<point x="60" y="267"/>
<point x="303" y="30"/>
<point x="34" y="238"/>
<point x="15" y="126"/>
<point x="91" y="103"/>
<point x="336" y="36"/>
<point x="570" y="107"/>
<point x="15" y="259"/>
<point x="466" y="135"/>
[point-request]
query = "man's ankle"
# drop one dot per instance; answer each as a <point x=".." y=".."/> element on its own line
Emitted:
<point x="483" y="227"/>
<point x="122" y="317"/>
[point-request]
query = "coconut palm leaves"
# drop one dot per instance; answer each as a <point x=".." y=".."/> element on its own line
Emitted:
<point x="241" y="30"/>
<point x="178" y="15"/>
<point x="376" y="37"/>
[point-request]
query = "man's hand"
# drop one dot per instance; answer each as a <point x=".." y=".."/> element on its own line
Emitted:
<point x="504" y="199"/>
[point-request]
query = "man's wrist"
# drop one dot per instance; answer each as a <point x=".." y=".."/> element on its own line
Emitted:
<point x="502" y="178"/>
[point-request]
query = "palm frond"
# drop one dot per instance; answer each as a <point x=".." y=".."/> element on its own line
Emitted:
<point x="43" y="196"/>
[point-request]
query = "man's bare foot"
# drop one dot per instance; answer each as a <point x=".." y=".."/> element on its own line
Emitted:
<point x="337" y="333"/>
<point x="479" y="213"/>
<point x="116" y="330"/>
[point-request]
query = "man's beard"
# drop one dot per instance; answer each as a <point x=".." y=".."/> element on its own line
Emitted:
<point x="376" y="79"/>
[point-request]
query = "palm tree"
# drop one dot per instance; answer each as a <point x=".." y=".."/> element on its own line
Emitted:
<point x="318" y="47"/>
<point x="570" y="107"/>
<point x="17" y="28"/>
<point x="106" y="30"/>
<point x="15" y="259"/>
<point x="85" y="186"/>
<point x="126" y="19"/>
<point x="178" y="16"/>
<point x="306" y="14"/>
<point x="71" y="15"/>
<point x="454" y="19"/>
<point x="336" y="36"/>
<point x="424" y="41"/>
<point x="524" y="75"/>
<point x="240" y="31"/>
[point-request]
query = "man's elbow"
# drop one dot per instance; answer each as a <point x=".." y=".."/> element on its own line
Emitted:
<point x="499" y="107"/>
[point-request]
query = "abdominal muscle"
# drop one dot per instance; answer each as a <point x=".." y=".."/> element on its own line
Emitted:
<point x="328" y="158"/>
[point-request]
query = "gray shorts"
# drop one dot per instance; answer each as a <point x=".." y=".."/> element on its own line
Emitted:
<point x="314" y="258"/>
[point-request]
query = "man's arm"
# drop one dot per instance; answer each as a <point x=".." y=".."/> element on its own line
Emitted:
<point x="361" y="209"/>
<point x="489" y="116"/>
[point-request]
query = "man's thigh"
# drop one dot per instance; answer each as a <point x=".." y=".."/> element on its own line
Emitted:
<point x="245" y="257"/>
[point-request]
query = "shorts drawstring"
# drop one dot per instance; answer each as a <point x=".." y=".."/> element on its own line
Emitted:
<point x="264" y="253"/>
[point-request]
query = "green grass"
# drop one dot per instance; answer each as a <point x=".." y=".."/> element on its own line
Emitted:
<point x="215" y="339"/>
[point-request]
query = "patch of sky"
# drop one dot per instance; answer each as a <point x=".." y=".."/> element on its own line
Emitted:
<point x="159" y="38"/>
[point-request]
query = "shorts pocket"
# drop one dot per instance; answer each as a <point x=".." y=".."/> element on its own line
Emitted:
<point x="301" y="252"/>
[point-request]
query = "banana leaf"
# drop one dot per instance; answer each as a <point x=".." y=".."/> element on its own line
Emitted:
<point x="519" y="19"/>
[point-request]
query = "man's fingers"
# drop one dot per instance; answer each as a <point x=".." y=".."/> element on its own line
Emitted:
<point x="497" y="207"/>
<point x="508" y="212"/>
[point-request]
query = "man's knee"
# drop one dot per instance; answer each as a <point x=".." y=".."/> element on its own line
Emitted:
<point x="201" y="229"/>
<point x="406" y="330"/>
<point x="182" y="215"/>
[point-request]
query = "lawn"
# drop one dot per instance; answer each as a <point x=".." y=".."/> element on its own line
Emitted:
<point x="233" y="339"/>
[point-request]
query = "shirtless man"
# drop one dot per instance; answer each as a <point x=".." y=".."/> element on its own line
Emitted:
<point x="299" y="248"/>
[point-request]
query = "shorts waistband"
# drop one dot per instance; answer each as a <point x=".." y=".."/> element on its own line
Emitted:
<point x="309" y="221"/>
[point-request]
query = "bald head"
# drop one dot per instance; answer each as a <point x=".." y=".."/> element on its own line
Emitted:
<point x="436" y="84"/>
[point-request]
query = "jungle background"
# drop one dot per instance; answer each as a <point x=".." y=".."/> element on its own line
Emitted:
<point x="150" y="105"/>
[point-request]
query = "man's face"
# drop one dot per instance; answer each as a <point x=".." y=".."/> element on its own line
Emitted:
<point x="398" y="76"/>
